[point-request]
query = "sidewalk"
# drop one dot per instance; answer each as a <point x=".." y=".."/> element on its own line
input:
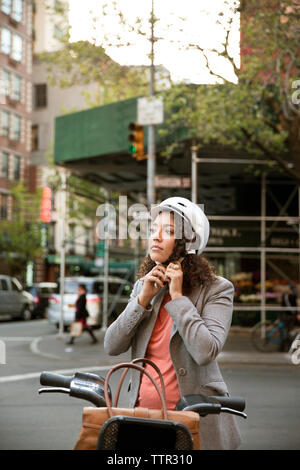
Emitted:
<point x="238" y="350"/>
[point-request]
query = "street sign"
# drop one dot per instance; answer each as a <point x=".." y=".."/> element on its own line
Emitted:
<point x="150" y="110"/>
<point x="172" y="182"/>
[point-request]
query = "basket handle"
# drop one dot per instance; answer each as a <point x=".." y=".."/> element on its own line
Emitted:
<point x="125" y="372"/>
<point x="130" y="365"/>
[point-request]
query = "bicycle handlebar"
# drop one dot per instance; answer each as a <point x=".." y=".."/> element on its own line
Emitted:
<point x="81" y="385"/>
<point x="204" y="404"/>
<point x="237" y="403"/>
<point x="90" y="387"/>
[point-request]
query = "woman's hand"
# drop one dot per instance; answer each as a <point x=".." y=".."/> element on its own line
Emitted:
<point x="174" y="276"/>
<point x="153" y="282"/>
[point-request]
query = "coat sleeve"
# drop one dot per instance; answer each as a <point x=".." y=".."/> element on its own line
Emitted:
<point x="81" y="311"/>
<point x="120" y="333"/>
<point x="204" y="332"/>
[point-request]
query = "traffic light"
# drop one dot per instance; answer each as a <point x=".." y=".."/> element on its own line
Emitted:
<point x="136" y="139"/>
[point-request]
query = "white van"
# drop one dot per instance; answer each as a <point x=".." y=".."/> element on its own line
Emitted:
<point x="118" y="295"/>
<point x="15" y="302"/>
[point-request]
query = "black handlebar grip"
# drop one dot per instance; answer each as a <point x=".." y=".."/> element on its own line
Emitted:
<point x="55" y="380"/>
<point x="236" y="403"/>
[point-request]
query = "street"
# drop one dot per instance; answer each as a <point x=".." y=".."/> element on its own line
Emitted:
<point x="48" y="422"/>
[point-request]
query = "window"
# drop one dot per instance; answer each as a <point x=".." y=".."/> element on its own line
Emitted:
<point x="15" y="285"/>
<point x="34" y="137"/>
<point x="87" y="241"/>
<point x="3" y="206"/>
<point x="4" y="165"/>
<point x="17" y="167"/>
<point x="17" y="10"/>
<point x="5" y="82"/>
<point x="17" y="48"/>
<point x="5" y="41"/>
<point x="6" y="6"/>
<point x="16" y="87"/>
<point x="4" y="130"/>
<point x="58" y="34"/>
<point x="16" y="127"/>
<point x="51" y="236"/>
<point x="3" y="284"/>
<point x="71" y="238"/>
<point x="40" y="95"/>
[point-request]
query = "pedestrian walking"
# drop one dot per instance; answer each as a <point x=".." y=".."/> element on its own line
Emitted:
<point x="81" y="314"/>
<point x="178" y="315"/>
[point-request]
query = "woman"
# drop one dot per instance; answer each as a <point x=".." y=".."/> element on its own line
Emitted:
<point x="81" y="314"/>
<point x="178" y="315"/>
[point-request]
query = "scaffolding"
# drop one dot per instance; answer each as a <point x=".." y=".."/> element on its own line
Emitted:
<point x="263" y="250"/>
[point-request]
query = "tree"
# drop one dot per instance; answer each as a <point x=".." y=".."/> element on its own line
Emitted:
<point x="259" y="111"/>
<point x="21" y="237"/>
<point x="83" y="62"/>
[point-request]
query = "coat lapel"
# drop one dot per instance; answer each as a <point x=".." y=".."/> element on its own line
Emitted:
<point x="194" y="296"/>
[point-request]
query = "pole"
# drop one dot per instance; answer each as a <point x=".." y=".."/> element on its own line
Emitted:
<point x="299" y="228"/>
<point x="151" y="163"/>
<point x="62" y="251"/>
<point x="263" y="252"/>
<point x="105" y="284"/>
<point x="106" y="266"/>
<point x="194" y="174"/>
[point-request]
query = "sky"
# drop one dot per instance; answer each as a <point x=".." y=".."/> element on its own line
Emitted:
<point x="180" y="23"/>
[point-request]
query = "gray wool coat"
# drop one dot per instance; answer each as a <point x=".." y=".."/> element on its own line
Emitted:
<point x="200" y="326"/>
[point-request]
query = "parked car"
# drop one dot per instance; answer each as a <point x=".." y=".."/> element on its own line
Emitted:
<point x="15" y="302"/>
<point x="41" y="292"/>
<point x="118" y="294"/>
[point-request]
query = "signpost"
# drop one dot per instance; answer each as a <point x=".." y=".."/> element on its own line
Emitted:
<point x="162" y="181"/>
<point x="150" y="111"/>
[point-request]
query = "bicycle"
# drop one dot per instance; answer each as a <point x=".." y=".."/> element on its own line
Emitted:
<point x="271" y="336"/>
<point x="126" y="430"/>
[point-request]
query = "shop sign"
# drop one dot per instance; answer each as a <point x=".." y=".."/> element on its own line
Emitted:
<point x="246" y="236"/>
<point x="70" y="259"/>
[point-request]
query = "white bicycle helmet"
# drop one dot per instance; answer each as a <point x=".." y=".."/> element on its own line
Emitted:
<point x="190" y="212"/>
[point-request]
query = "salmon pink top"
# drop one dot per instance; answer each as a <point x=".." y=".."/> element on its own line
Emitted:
<point x="158" y="352"/>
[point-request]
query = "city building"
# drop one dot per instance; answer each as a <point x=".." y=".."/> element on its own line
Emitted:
<point x="15" y="99"/>
<point x="49" y="102"/>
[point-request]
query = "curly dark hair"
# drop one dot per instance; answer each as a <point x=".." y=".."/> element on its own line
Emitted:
<point x="196" y="268"/>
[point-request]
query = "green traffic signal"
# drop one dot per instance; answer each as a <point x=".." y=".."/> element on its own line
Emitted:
<point x="132" y="149"/>
<point x="136" y="139"/>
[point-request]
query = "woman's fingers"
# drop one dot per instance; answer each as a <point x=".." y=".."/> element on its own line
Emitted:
<point x="156" y="280"/>
<point x="158" y="271"/>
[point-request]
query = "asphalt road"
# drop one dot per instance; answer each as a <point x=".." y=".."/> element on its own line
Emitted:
<point x="47" y="422"/>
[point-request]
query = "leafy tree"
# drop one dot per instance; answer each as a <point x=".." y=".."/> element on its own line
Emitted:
<point x="256" y="111"/>
<point x="21" y="237"/>
<point x="84" y="62"/>
<point x="259" y="111"/>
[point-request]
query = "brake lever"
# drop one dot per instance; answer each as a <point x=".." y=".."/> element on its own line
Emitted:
<point x="212" y="408"/>
<point x="54" y="390"/>
<point x="234" y="412"/>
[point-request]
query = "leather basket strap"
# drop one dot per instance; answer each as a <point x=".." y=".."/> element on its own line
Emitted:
<point x="125" y="372"/>
<point x="130" y="365"/>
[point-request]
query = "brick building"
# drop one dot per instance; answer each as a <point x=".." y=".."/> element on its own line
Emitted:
<point x="15" y="96"/>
